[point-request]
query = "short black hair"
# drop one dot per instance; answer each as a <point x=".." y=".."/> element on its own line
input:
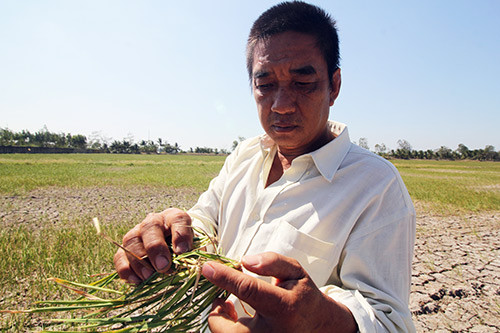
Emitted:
<point x="300" y="17"/>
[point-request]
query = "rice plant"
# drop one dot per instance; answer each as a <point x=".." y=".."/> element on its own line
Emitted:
<point x="171" y="302"/>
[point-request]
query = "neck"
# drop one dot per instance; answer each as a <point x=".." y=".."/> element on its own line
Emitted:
<point x="287" y="155"/>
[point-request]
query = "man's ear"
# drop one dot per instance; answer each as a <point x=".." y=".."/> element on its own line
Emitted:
<point x="335" y="88"/>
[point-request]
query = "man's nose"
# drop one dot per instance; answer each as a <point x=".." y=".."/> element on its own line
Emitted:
<point x="284" y="101"/>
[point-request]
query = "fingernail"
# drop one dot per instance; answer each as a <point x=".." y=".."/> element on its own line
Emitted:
<point x="133" y="279"/>
<point x="146" y="272"/>
<point x="251" y="260"/>
<point x="208" y="271"/>
<point x="161" y="262"/>
<point x="182" y="247"/>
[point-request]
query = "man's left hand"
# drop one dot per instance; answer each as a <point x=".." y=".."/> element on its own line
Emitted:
<point x="292" y="303"/>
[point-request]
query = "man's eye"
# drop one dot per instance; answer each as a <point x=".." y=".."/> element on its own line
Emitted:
<point x="264" y="86"/>
<point x="305" y="87"/>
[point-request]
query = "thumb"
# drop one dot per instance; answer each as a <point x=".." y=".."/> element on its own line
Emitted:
<point x="273" y="264"/>
<point x="262" y="296"/>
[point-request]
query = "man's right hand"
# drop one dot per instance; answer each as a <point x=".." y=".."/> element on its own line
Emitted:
<point x="150" y="238"/>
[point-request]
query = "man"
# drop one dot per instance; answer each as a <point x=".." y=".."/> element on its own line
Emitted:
<point x="330" y="223"/>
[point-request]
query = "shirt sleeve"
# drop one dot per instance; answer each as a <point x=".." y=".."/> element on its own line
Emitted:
<point x="374" y="276"/>
<point x="205" y="213"/>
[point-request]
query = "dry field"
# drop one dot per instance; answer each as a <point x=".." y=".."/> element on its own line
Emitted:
<point x="456" y="271"/>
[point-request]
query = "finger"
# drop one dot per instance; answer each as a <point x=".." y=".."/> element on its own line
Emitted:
<point x="123" y="268"/>
<point x="153" y="233"/>
<point x="223" y="318"/>
<point x="262" y="296"/>
<point x="133" y="243"/>
<point x="226" y="307"/>
<point x="179" y="223"/>
<point x="273" y="264"/>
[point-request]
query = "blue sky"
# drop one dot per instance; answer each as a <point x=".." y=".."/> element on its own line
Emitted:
<point x="424" y="71"/>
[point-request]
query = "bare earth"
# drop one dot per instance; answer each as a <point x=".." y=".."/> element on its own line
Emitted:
<point x="456" y="273"/>
<point x="456" y="270"/>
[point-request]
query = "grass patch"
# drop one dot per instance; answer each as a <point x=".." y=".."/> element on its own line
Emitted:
<point x="21" y="173"/>
<point x="30" y="257"/>
<point x="49" y="201"/>
<point x="451" y="187"/>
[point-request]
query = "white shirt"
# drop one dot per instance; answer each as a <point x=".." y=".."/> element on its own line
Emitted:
<point x="341" y="211"/>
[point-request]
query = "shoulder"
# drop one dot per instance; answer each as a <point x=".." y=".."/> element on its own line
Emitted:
<point x="381" y="195"/>
<point x="366" y="162"/>
<point x="251" y="144"/>
<point x="246" y="149"/>
<point x="376" y="175"/>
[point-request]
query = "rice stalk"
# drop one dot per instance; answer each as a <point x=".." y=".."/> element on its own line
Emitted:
<point x="171" y="302"/>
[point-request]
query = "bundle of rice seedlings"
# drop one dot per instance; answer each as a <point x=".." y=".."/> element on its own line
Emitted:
<point x="171" y="302"/>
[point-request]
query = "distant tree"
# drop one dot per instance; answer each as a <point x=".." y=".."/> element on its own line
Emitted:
<point x="404" y="150"/>
<point x="444" y="153"/>
<point x="177" y="148"/>
<point x="404" y="145"/>
<point x="380" y="148"/>
<point x="148" y="147"/>
<point x="490" y="153"/>
<point x="124" y="147"/>
<point x="363" y="143"/>
<point x="402" y="153"/>
<point x="134" y="149"/>
<point x="20" y="139"/>
<point x="6" y="137"/>
<point x="129" y="138"/>
<point x="204" y="150"/>
<point x="429" y="154"/>
<point x="78" y="141"/>
<point x="463" y="151"/>
<point x="95" y="145"/>
<point x="236" y="142"/>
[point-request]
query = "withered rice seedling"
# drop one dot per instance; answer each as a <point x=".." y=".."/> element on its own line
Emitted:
<point x="172" y="302"/>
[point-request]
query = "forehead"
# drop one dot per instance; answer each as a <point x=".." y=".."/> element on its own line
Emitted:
<point x="286" y="51"/>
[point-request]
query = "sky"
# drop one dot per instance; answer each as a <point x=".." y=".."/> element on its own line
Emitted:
<point x="424" y="71"/>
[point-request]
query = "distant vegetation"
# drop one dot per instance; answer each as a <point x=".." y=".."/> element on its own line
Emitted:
<point x="405" y="151"/>
<point x="45" y="138"/>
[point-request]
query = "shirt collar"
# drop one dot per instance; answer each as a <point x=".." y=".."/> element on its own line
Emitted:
<point x="328" y="158"/>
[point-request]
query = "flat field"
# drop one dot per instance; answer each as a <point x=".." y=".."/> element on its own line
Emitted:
<point x="48" y="202"/>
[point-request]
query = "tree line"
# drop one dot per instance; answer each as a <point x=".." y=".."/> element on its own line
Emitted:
<point x="405" y="151"/>
<point x="45" y="138"/>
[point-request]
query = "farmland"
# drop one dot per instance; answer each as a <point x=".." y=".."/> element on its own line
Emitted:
<point x="48" y="202"/>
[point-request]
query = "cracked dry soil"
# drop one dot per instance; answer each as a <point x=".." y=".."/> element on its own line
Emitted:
<point x="456" y="268"/>
<point x="456" y="273"/>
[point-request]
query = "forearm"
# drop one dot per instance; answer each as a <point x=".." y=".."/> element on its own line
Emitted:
<point x="337" y="317"/>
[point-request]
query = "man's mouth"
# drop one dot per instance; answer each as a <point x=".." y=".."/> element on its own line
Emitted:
<point x="283" y="128"/>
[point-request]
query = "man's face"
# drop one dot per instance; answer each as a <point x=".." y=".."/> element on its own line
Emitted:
<point x="292" y="90"/>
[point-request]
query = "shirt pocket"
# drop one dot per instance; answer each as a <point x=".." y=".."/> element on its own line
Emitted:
<point x="316" y="256"/>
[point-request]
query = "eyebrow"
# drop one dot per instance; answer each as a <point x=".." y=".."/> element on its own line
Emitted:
<point x="306" y="70"/>
<point x="260" y="74"/>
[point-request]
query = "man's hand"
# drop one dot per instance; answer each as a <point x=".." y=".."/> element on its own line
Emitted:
<point x="292" y="303"/>
<point x="150" y="238"/>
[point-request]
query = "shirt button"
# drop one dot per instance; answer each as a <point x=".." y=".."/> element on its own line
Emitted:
<point x="255" y="216"/>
